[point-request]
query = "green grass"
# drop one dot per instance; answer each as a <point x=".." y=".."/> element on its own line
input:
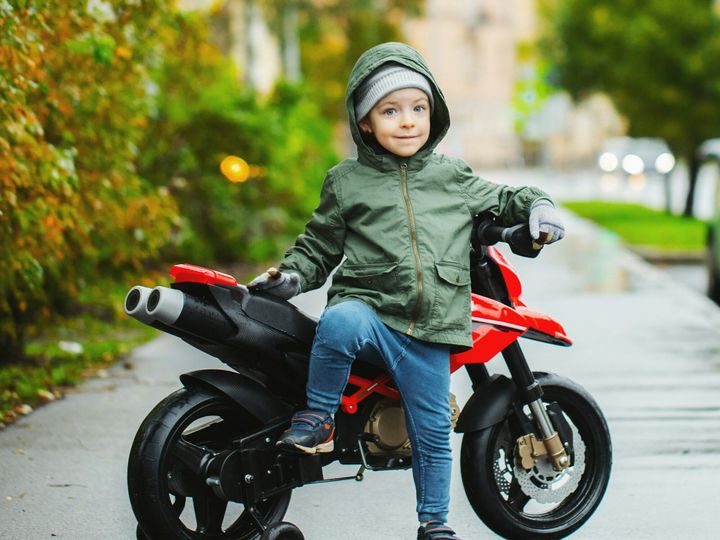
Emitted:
<point x="640" y="226"/>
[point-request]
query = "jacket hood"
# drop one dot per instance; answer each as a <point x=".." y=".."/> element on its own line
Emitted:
<point x="410" y="58"/>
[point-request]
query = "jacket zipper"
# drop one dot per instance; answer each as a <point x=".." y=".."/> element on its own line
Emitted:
<point x="413" y="240"/>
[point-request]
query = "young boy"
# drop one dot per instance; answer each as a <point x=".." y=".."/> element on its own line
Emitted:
<point x="402" y="216"/>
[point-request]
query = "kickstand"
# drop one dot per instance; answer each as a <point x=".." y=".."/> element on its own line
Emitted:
<point x="258" y="518"/>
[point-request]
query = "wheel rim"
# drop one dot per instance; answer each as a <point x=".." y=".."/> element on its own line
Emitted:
<point x="559" y="498"/>
<point x="198" y="511"/>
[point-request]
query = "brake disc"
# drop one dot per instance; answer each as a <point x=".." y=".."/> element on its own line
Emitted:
<point x="546" y="485"/>
<point x="502" y="470"/>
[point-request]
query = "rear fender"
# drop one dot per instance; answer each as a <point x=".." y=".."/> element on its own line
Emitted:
<point x="488" y="406"/>
<point x="247" y="393"/>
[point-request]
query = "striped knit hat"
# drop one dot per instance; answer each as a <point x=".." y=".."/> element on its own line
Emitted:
<point x="384" y="80"/>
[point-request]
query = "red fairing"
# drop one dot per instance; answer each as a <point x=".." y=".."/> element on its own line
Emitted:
<point x="544" y="324"/>
<point x="198" y="274"/>
<point x="494" y="327"/>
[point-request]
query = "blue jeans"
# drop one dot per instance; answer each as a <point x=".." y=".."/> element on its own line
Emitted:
<point x="422" y="374"/>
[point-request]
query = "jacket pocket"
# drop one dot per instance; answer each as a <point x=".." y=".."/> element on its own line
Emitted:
<point x="451" y="295"/>
<point x="378" y="284"/>
<point x="369" y="274"/>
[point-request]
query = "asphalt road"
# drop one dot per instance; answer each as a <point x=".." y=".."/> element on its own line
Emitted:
<point x="647" y="347"/>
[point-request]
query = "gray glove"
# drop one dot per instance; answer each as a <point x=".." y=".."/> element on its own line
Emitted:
<point x="281" y="284"/>
<point x="545" y="223"/>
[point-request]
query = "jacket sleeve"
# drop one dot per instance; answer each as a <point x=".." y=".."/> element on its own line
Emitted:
<point x="510" y="204"/>
<point x="319" y="249"/>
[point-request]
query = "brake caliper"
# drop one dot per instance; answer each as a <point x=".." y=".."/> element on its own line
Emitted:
<point x="529" y="450"/>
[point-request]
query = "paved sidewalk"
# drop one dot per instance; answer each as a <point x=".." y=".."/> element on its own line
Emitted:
<point x="646" y="347"/>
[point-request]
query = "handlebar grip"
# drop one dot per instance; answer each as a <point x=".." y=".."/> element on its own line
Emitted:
<point x="489" y="235"/>
<point x="517" y="237"/>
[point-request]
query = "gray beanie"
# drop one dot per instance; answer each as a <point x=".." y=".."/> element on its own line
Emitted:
<point x="384" y="80"/>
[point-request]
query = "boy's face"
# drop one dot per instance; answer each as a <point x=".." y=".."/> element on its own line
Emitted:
<point x="400" y="121"/>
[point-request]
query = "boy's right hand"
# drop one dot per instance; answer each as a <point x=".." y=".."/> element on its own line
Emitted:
<point x="281" y="284"/>
<point x="546" y="225"/>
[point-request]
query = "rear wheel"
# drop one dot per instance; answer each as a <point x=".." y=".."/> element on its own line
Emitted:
<point x="169" y="501"/>
<point x="540" y="503"/>
<point x="282" y="531"/>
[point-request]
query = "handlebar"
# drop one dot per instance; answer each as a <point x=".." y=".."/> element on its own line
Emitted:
<point x="487" y="233"/>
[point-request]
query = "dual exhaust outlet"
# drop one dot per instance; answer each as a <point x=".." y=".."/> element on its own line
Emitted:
<point x="159" y="304"/>
<point x="178" y="313"/>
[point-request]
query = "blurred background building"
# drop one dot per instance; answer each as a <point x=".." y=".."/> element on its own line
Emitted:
<point x="474" y="49"/>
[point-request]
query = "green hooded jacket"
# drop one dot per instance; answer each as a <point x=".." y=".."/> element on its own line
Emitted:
<point x="404" y="224"/>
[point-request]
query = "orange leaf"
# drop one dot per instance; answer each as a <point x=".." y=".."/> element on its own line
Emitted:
<point x="123" y="52"/>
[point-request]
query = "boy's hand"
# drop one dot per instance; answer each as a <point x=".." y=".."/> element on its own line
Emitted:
<point x="545" y="223"/>
<point x="281" y="284"/>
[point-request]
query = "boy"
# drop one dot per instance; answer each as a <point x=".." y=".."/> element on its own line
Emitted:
<point x="402" y="216"/>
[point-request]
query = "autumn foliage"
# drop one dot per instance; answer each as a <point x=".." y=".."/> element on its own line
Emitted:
<point x="114" y="120"/>
<point x="73" y="106"/>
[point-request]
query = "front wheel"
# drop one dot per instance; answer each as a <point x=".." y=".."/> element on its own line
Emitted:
<point x="540" y="503"/>
<point x="166" y="497"/>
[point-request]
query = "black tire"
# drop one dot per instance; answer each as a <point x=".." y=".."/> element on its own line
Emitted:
<point x="496" y="494"/>
<point x="160" y="487"/>
<point x="282" y="531"/>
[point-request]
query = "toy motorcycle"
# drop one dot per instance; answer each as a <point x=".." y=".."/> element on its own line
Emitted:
<point x="536" y="452"/>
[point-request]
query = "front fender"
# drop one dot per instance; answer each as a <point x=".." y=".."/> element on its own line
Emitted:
<point x="488" y="405"/>
<point x="246" y="392"/>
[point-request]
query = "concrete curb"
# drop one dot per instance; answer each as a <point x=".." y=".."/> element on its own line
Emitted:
<point x="656" y="256"/>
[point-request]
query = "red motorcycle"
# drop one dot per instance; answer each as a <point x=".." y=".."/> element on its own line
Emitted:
<point x="536" y="452"/>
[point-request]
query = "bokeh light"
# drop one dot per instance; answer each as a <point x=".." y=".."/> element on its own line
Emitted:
<point x="235" y="169"/>
<point x="608" y="162"/>
<point x="664" y="163"/>
<point x="633" y="164"/>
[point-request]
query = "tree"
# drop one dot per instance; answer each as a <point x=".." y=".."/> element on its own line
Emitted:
<point x="72" y="109"/>
<point x="657" y="60"/>
<point x="201" y="114"/>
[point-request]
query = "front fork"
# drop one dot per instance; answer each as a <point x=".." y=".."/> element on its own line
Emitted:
<point x="529" y="448"/>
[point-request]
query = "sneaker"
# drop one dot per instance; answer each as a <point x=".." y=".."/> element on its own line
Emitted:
<point x="310" y="432"/>
<point x="436" y="530"/>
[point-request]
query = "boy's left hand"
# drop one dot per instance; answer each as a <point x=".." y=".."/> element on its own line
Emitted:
<point x="545" y="223"/>
<point x="281" y="284"/>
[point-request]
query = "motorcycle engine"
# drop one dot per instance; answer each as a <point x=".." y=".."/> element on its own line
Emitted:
<point x="387" y="423"/>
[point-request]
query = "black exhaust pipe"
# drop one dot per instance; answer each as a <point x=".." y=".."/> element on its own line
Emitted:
<point x="189" y="314"/>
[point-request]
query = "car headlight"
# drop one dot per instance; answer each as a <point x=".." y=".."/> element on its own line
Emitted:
<point x="665" y="163"/>
<point x="633" y="164"/>
<point x="608" y="162"/>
